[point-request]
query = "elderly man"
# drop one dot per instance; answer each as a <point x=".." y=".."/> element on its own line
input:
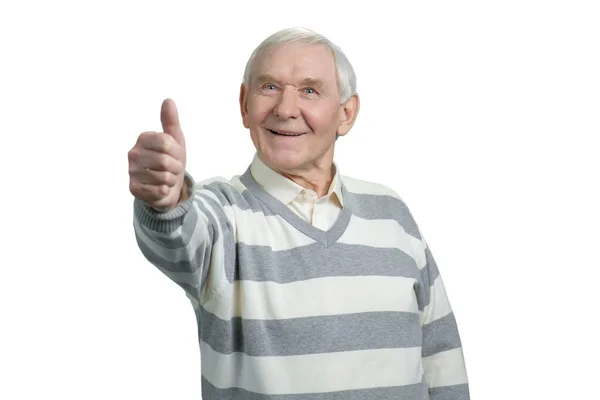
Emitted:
<point x="306" y="284"/>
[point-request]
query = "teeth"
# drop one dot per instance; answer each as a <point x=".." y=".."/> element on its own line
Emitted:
<point x="286" y="134"/>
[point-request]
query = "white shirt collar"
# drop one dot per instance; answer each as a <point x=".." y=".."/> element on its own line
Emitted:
<point x="284" y="189"/>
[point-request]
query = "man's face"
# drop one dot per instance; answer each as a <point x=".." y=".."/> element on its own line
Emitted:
<point x="292" y="107"/>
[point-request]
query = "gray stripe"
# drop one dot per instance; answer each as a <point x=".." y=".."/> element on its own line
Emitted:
<point x="429" y="274"/>
<point x="187" y="230"/>
<point x="417" y="391"/>
<point x="215" y="235"/>
<point x="212" y="222"/>
<point x="371" y="206"/>
<point x="455" y="392"/>
<point x="160" y="222"/>
<point x="325" y="237"/>
<point x="188" y="222"/>
<point x="183" y="273"/>
<point x="229" y="245"/>
<point x="191" y="273"/>
<point x="440" y="335"/>
<point x="338" y="229"/>
<point x="431" y="267"/>
<point x="227" y="195"/>
<point x="187" y="266"/>
<point x="367" y="206"/>
<point x="193" y="291"/>
<point x="260" y="263"/>
<point x="311" y="335"/>
<point x="169" y="221"/>
<point x="188" y="226"/>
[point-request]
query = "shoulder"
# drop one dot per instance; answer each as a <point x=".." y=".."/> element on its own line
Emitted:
<point x="374" y="200"/>
<point x="359" y="186"/>
<point x="225" y="191"/>
<point x="214" y="184"/>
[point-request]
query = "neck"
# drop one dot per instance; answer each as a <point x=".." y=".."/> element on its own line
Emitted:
<point x="318" y="179"/>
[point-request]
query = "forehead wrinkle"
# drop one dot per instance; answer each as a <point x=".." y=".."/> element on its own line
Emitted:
<point x="303" y="65"/>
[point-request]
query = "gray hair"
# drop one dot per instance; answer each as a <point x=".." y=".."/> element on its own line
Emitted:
<point x="346" y="77"/>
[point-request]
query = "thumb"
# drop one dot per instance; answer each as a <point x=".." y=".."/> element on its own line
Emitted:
<point x="170" y="121"/>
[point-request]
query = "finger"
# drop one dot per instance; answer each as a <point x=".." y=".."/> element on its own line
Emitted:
<point x="151" y="177"/>
<point x="153" y="194"/>
<point x="169" y="118"/>
<point x="158" y="161"/>
<point x="163" y="143"/>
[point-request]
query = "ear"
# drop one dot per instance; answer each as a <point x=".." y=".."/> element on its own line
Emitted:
<point x="244" y="105"/>
<point x="348" y="113"/>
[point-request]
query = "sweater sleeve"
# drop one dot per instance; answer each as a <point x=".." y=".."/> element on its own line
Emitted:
<point x="179" y="242"/>
<point x="443" y="360"/>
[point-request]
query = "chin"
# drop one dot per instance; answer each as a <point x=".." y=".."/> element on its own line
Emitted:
<point x="284" y="160"/>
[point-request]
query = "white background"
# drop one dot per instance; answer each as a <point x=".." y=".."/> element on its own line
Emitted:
<point x="484" y="116"/>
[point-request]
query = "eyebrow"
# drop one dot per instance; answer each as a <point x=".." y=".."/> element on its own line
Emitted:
<point x="265" y="78"/>
<point x="262" y="78"/>
<point x="312" y="82"/>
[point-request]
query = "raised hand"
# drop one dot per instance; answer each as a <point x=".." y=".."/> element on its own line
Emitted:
<point x="157" y="162"/>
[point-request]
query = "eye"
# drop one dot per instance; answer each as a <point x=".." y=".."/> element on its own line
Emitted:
<point x="269" y="86"/>
<point x="310" y="91"/>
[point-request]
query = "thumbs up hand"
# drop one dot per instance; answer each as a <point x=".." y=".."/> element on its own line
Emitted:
<point x="157" y="162"/>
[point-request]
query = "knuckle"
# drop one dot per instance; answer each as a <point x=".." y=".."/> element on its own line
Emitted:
<point x="172" y="179"/>
<point x="179" y="168"/>
<point x="132" y="154"/>
<point x="141" y="139"/>
<point x="145" y="139"/>
<point x="147" y="134"/>
<point x="163" y="190"/>
<point x="163" y="161"/>
<point x="165" y="178"/>
<point x="160" y="178"/>
<point x="134" y="188"/>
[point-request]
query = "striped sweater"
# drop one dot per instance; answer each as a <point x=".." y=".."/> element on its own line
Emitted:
<point x="288" y="311"/>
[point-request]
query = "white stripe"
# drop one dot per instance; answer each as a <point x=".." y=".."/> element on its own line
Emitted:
<point x="313" y="373"/>
<point x="227" y="209"/>
<point x="236" y="182"/>
<point x="207" y="181"/>
<point x="383" y="233"/>
<point x="315" y="297"/>
<point x="255" y="228"/>
<point x="365" y="187"/>
<point x="217" y="258"/>
<point x="438" y="306"/>
<point x="446" y="368"/>
<point x="199" y="238"/>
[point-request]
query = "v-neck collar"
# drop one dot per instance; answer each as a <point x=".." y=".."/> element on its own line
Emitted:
<point x="285" y="189"/>
<point x="327" y="237"/>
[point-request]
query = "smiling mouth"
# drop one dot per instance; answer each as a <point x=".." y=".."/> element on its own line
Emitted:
<point x="290" y="134"/>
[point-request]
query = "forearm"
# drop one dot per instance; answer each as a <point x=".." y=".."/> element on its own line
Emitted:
<point x="176" y="241"/>
<point x="443" y="360"/>
<point x="165" y="221"/>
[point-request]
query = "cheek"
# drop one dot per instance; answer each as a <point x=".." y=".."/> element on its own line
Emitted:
<point x="258" y="111"/>
<point x="321" y="121"/>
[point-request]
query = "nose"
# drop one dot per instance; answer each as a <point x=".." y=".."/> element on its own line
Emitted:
<point x="287" y="104"/>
